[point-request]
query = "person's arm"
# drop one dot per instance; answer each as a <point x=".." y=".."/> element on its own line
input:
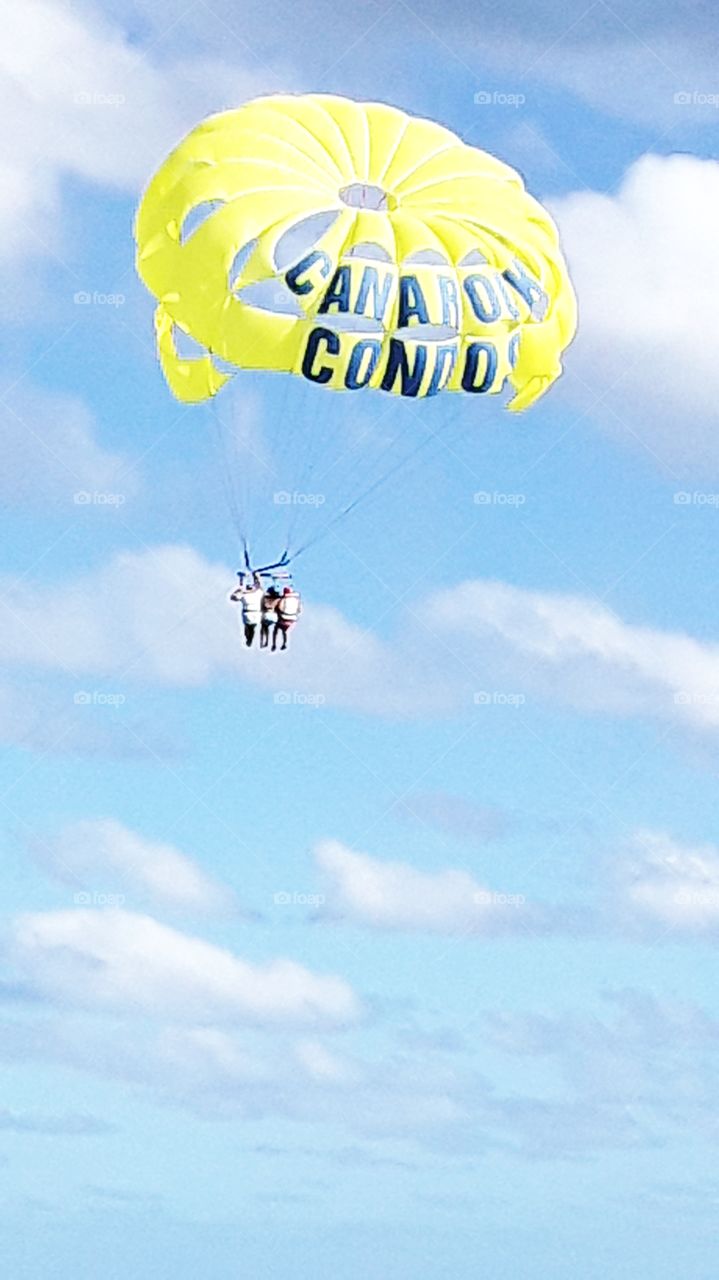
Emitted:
<point x="237" y="594"/>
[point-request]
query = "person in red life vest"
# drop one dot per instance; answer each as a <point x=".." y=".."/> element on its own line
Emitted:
<point x="249" y="596"/>
<point x="269" y="615"/>
<point x="289" y="608"/>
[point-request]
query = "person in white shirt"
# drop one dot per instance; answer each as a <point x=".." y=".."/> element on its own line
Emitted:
<point x="289" y="608"/>
<point x="249" y="596"/>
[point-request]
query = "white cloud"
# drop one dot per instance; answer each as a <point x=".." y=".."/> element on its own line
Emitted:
<point x="655" y="888"/>
<point x="628" y="61"/>
<point x="646" y="273"/>
<point x="101" y="92"/>
<point x="162" y="612"/>
<point x="583" y="654"/>
<point x="28" y="209"/>
<point x="117" y="961"/>
<point x="652" y="1061"/>
<point x="41" y="717"/>
<point x="161" y="616"/>
<point x="667" y="886"/>
<point x="79" y="97"/>
<point x="415" y="1096"/>
<point x="395" y="895"/>
<point x="222" y="1075"/>
<point x="51" y="454"/>
<point x="618" y="74"/>
<point x="105" y="854"/>
<point x="323" y="1064"/>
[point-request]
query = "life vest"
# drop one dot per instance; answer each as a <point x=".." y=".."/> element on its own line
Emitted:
<point x="288" y="607"/>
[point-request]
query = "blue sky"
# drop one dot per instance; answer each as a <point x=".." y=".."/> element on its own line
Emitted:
<point x="394" y="954"/>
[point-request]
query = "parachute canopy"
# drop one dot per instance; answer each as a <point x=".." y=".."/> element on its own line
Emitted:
<point x="353" y="245"/>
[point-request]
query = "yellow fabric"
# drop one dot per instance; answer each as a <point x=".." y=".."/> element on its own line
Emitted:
<point x="189" y="380"/>
<point x="506" y="314"/>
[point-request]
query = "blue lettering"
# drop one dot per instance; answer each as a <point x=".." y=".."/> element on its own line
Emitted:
<point x="528" y="288"/>
<point x="450" y="304"/>
<point x="380" y="294"/>
<point x="488" y="308"/>
<point x="474" y="351"/>
<point x="338" y="293"/>
<point x="355" y="378"/>
<point x="512" y="308"/>
<point x="445" y="359"/>
<point x="397" y="361"/>
<point x="332" y="342"/>
<point x="411" y="302"/>
<point x="292" y="277"/>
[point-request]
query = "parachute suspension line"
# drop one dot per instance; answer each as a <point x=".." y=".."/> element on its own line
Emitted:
<point x="365" y="493"/>
<point x="234" y="505"/>
<point x="323" y="412"/>
<point x="282" y="563"/>
<point x="267" y="496"/>
<point x="350" y="502"/>
<point x="287" y="415"/>
<point x="351" y="498"/>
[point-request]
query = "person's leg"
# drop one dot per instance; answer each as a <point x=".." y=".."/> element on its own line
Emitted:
<point x="249" y="633"/>
<point x="275" y="632"/>
<point x="264" y="634"/>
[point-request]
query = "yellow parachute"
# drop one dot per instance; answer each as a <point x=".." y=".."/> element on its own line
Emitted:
<point x="354" y="245"/>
